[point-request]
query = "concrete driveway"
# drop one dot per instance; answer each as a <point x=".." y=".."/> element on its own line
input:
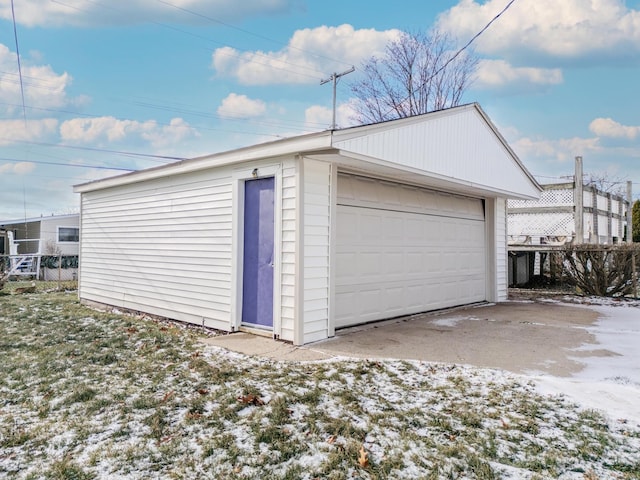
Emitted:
<point x="520" y="336"/>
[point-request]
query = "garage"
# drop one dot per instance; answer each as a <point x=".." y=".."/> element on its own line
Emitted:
<point x="298" y="237"/>
<point x="402" y="250"/>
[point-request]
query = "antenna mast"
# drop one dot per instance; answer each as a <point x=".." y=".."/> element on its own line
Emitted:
<point x="334" y="78"/>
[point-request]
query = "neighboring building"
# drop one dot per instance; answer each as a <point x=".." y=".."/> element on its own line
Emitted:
<point x="300" y="236"/>
<point x="56" y="234"/>
<point x="27" y="239"/>
<point x="565" y="213"/>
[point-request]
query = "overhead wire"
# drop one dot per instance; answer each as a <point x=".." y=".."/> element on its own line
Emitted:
<point x="60" y="164"/>
<point x="146" y="156"/>
<point x="292" y="125"/>
<point x="278" y="123"/>
<point x="15" y="36"/>
<point x="34" y="83"/>
<point x="257" y="54"/>
<point x="257" y="35"/>
<point x="198" y="127"/>
<point x="459" y="52"/>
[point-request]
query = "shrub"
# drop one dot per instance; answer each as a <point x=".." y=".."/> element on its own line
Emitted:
<point x="602" y="270"/>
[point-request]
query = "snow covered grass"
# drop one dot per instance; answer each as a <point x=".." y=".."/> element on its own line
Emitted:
<point x="85" y="395"/>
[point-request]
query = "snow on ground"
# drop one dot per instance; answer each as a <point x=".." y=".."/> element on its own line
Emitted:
<point x="609" y="383"/>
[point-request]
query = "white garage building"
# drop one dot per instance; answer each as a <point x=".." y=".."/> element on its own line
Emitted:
<point x="301" y="236"/>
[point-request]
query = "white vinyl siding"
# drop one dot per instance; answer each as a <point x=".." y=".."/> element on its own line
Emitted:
<point x="459" y="147"/>
<point x="403" y="250"/>
<point x="161" y="247"/>
<point x="49" y="234"/>
<point x="288" y="259"/>
<point x="317" y="201"/>
<point x="501" y="249"/>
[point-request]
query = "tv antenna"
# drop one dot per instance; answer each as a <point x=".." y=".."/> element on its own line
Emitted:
<point x="334" y="78"/>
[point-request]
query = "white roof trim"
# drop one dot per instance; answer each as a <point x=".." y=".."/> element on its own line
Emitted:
<point x="38" y="219"/>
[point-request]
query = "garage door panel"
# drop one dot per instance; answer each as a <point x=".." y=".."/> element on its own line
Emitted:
<point x="391" y="262"/>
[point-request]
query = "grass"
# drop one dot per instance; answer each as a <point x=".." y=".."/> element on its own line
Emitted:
<point x="92" y="395"/>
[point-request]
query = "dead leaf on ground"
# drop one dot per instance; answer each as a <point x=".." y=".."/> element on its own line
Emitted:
<point x="22" y="290"/>
<point x="332" y="439"/>
<point x="251" y="400"/>
<point x="203" y="391"/>
<point x="590" y="475"/>
<point x="167" y="396"/>
<point x="363" y="457"/>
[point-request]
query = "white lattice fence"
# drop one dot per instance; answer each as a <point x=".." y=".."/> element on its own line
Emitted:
<point x="541" y="224"/>
<point x="562" y="197"/>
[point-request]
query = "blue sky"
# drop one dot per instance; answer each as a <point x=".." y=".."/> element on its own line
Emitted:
<point x="181" y="78"/>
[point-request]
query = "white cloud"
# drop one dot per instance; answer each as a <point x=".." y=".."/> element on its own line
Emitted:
<point x="241" y="106"/>
<point x="547" y="28"/>
<point x="103" y="130"/>
<point x="310" y="55"/>
<point x="12" y="131"/>
<point x="319" y="117"/>
<point x="43" y="87"/>
<point x="82" y="13"/>
<point x="19" y="168"/>
<point x="561" y="150"/>
<point x="499" y="73"/>
<point x="607" y="127"/>
<point x="163" y="136"/>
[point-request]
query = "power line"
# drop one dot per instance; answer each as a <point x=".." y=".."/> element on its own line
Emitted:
<point x="101" y="150"/>
<point x="167" y="108"/>
<point x="36" y="83"/>
<point x="257" y="54"/>
<point x="15" y="36"/>
<point x="475" y="37"/>
<point x="457" y="53"/>
<point x="288" y="125"/>
<point x="60" y="164"/>
<point x="257" y="35"/>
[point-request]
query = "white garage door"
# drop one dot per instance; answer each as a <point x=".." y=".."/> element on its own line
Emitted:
<point x="403" y="250"/>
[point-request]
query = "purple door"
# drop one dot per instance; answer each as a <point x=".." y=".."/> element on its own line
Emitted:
<point x="257" y="274"/>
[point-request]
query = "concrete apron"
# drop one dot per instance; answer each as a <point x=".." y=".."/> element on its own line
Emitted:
<point x="515" y="336"/>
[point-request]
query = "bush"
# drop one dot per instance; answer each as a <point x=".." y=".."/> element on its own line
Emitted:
<point x="602" y="270"/>
<point x="66" y="261"/>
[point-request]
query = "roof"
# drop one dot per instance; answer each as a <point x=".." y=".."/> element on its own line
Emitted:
<point x="457" y="149"/>
<point x="38" y="219"/>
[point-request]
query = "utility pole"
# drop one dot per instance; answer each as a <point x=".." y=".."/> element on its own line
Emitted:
<point x="629" y="238"/>
<point x="578" y="212"/>
<point x="334" y="78"/>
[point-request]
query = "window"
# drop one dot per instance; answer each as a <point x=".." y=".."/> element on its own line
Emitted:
<point x="68" y="234"/>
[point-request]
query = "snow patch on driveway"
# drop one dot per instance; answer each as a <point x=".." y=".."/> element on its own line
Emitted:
<point x="610" y="383"/>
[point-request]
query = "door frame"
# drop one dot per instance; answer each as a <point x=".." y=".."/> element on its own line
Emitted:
<point x="240" y="176"/>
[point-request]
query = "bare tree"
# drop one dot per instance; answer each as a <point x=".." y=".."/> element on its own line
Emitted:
<point x="608" y="183"/>
<point x="418" y="73"/>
